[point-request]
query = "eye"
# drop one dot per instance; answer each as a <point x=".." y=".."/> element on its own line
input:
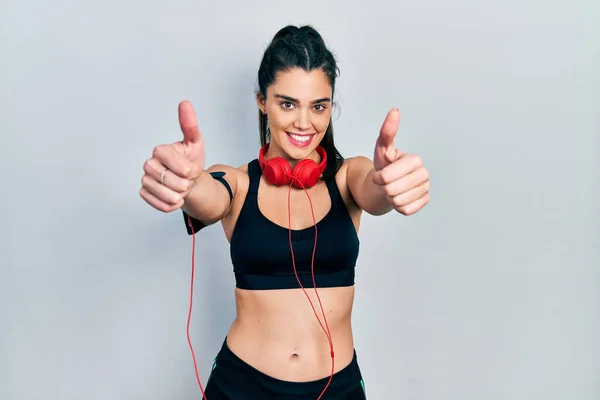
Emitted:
<point x="286" y="105"/>
<point x="320" y="108"/>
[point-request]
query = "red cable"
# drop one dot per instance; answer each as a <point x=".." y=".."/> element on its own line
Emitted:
<point x="190" y="310"/>
<point x="325" y="328"/>
<point x="312" y="265"/>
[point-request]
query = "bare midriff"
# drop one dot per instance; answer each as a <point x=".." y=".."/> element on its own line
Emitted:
<point x="277" y="332"/>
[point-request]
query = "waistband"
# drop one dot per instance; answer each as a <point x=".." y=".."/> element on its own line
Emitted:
<point x="232" y="373"/>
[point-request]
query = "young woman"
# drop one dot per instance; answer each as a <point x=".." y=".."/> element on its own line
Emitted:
<point x="291" y="216"/>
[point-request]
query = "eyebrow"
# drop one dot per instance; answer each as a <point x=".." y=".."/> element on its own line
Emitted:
<point x="293" y="100"/>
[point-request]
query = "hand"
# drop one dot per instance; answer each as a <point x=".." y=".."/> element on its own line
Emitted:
<point x="401" y="176"/>
<point x="171" y="172"/>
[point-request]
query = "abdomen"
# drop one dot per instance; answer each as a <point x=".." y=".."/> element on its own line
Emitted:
<point x="277" y="332"/>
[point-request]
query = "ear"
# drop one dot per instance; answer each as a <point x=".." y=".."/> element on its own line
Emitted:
<point x="260" y="101"/>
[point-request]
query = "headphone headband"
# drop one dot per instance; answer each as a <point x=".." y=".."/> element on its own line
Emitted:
<point x="320" y="150"/>
<point x="306" y="173"/>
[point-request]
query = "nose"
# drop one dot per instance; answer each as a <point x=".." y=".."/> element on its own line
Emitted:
<point x="303" y="120"/>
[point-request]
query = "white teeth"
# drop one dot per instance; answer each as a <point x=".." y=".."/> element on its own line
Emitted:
<point x="300" y="138"/>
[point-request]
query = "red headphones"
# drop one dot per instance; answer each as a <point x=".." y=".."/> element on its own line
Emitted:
<point x="305" y="174"/>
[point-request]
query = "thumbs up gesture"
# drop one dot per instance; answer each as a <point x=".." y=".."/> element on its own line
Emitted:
<point x="171" y="172"/>
<point x="401" y="177"/>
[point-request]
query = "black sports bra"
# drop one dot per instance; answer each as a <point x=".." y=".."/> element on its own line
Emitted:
<point x="260" y="249"/>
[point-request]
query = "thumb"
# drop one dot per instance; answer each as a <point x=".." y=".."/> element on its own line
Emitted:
<point x="392" y="154"/>
<point x="389" y="129"/>
<point x="385" y="151"/>
<point x="188" y="123"/>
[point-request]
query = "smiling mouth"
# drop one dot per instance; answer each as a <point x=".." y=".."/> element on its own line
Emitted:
<point x="300" y="140"/>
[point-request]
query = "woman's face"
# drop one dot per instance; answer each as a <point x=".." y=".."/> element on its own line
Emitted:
<point x="298" y="107"/>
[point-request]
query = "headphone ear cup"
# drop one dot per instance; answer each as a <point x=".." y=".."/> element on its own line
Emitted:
<point x="277" y="171"/>
<point x="307" y="172"/>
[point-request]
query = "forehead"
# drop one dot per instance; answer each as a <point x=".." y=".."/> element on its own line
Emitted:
<point x="302" y="85"/>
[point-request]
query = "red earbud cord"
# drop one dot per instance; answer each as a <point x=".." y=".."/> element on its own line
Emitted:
<point x="325" y="328"/>
<point x="190" y="309"/>
<point x="312" y="264"/>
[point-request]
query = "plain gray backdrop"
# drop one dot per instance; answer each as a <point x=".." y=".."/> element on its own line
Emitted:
<point x="490" y="292"/>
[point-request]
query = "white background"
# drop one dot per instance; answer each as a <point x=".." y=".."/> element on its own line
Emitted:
<point x="491" y="292"/>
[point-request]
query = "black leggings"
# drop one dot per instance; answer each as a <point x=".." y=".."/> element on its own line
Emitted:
<point x="233" y="379"/>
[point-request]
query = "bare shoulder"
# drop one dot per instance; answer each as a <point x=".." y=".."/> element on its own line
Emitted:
<point x="358" y="166"/>
<point x="348" y="174"/>
<point x="235" y="176"/>
<point x="243" y="180"/>
<point x="355" y="170"/>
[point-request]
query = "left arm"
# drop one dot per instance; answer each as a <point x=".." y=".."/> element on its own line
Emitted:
<point x="367" y="195"/>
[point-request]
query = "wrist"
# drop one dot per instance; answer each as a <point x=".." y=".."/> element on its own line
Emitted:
<point x="194" y="183"/>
